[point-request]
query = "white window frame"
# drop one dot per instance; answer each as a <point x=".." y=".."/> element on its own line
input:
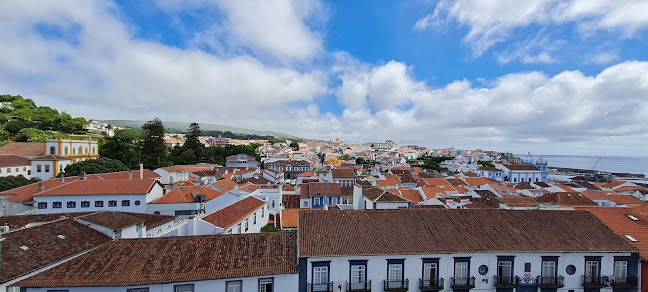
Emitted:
<point x="263" y="284"/>
<point x="320" y="275"/>
<point x="234" y="286"/>
<point x="461" y="270"/>
<point x="548" y="269"/>
<point x="183" y="288"/>
<point x="592" y="269"/>
<point x="620" y="269"/>
<point x="427" y="271"/>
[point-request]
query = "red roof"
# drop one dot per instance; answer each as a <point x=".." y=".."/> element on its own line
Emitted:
<point x="617" y="219"/>
<point x="103" y="187"/>
<point x="225" y="184"/>
<point x="147" y="261"/>
<point x="234" y="213"/>
<point x="187" y="195"/>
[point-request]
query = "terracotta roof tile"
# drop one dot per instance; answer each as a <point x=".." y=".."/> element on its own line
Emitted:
<point x="323" y="189"/>
<point x="24" y="149"/>
<point x="187" y="195"/>
<point x="102" y="187"/>
<point x="129" y="262"/>
<point x="566" y="199"/>
<point x="617" y="219"/>
<point x="225" y="185"/>
<point x="44" y="246"/>
<point x="425" y="231"/>
<point x="521" y="167"/>
<point x="379" y="195"/>
<point x="343" y="173"/>
<point x="8" y="160"/>
<point x="476" y="181"/>
<point x="230" y="215"/>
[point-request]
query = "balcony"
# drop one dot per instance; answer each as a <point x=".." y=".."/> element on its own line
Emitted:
<point x="595" y="282"/>
<point x="324" y="287"/>
<point x="551" y="282"/>
<point x="359" y="287"/>
<point x="462" y="283"/>
<point x="396" y="285"/>
<point x="506" y="282"/>
<point x="627" y="282"/>
<point x="431" y="285"/>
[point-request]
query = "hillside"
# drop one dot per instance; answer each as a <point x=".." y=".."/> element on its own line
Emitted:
<point x="180" y="126"/>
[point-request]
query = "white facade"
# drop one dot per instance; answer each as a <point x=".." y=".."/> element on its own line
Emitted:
<point x="280" y="282"/>
<point x="412" y="268"/>
<point x="50" y="204"/>
<point x="76" y="150"/>
<point x="167" y="177"/>
<point x="132" y="231"/>
<point x="24" y="170"/>
<point x="47" y="169"/>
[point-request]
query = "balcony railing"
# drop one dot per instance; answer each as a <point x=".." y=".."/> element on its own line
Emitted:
<point x="551" y="282"/>
<point x="431" y="285"/>
<point x="462" y="283"/>
<point x="323" y="287"/>
<point x="506" y="281"/>
<point x="595" y="282"/>
<point x="359" y="287"/>
<point x="396" y="285"/>
<point x="627" y="282"/>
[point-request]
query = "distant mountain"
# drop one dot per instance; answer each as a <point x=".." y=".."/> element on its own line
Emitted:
<point x="179" y="126"/>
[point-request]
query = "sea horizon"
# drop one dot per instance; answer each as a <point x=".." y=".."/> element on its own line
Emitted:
<point x="610" y="163"/>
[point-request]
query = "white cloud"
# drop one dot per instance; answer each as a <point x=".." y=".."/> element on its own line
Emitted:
<point x="278" y="29"/>
<point x="603" y="58"/>
<point x="492" y="21"/>
<point x="533" y="50"/>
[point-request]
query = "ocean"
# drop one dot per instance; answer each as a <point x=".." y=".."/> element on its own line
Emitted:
<point x="638" y="165"/>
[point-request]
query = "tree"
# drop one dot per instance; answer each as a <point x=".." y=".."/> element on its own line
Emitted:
<point x="31" y="135"/>
<point x="99" y="165"/>
<point x="269" y="228"/>
<point x="276" y="140"/>
<point x="12" y="182"/>
<point x="486" y="163"/>
<point x="152" y="148"/>
<point x="123" y="146"/>
<point x="192" y="143"/>
<point x="294" y="145"/>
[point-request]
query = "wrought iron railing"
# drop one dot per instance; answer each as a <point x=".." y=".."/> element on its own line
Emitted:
<point x="432" y="284"/>
<point x="506" y="281"/>
<point x="320" y="287"/>
<point x="359" y="287"/>
<point x="396" y="285"/>
<point x="551" y="282"/>
<point x="624" y="282"/>
<point x="462" y="283"/>
<point x="592" y="282"/>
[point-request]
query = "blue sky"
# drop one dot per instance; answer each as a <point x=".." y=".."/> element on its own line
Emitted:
<point x="550" y="76"/>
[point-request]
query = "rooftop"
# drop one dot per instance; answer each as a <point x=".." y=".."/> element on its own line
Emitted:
<point x="127" y="262"/>
<point x="230" y="215"/>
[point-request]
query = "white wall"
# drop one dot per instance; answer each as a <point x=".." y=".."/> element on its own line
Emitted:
<point x="377" y="268"/>
<point x="282" y="282"/>
<point x="220" y="202"/>
<point x="92" y="198"/>
<point x="23" y="170"/>
<point x="169" y="209"/>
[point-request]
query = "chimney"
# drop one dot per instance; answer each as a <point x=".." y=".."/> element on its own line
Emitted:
<point x="62" y="177"/>
<point x="82" y="175"/>
<point x="141" y="171"/>
<point x="41" y="188"/>
<point x="130" y="174"/>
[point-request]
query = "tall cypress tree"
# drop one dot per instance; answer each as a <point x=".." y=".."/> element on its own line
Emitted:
<point x="153" y="152"/>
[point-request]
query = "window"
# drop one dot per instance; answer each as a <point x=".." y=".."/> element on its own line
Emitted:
<point x="430" y="271"/>
<point x="146" y="289"/>
<point x="461" y="271"/>
<point x="238" y="228"/>
<point x="320" y="276"/>
<point x="47" y="168"/>
<point x="183" y="288"/>
<point x="38" y="168"/>
<point x="527" y="267"/>
<point x="71" y="204"/>
<point x="254" y="219"/>
<point x="273" y="203"/>
<point x="85" y="204"/>
<point x="112" y="203"/>
<point x="247" y="223"/>
<point x="591" y="269"/>
<point x="125" y="203"/>
<point x="266" y="285"/>
<point x="65" y="150"/>
<point x="98" y="204"/>
<point x="57" y="205"/>
<point x="505" y="268"/>
<point x="395" y="273"/>
<point x="52" y="150"/>
<point x="262" y="211"/>
<point x="80" y="150"/>
<point x="548" y="268"/>
<point x="94" y="150"/>
<point x="620" y="269"/>
<point x="42" y="205"/>
<point x="334" y="201"/>
<point x="137" y="203"/>
<point x="234" y="286"/>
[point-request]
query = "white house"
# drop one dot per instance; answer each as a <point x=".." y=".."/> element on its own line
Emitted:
<point x="433" y="250"/>
<point x="243" y="161"/>
<point x="232" y="263"/>
<point x="14" y="165"/>
<point x="245" y="216"/>
<point x="185" y="201"/>
<point x="97" y="195"/>
<point x="48" y="166"/>
<point x="377" y="198"/>
<point x="344" y="176"/>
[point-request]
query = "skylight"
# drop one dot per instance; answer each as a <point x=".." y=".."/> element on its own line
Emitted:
<point x="631" y="238"/>
<point x="24" y="247"/>
<point x="633" y="218"/>
<point x="61" y="236"/>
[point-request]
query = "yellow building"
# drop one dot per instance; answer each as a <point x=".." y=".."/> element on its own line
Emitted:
<point x="75" y="150"/>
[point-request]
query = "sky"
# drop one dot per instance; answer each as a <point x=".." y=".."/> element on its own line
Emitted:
<point x="543" y="76"/>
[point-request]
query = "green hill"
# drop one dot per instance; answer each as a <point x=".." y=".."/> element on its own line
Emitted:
<point x="180" y="126"/>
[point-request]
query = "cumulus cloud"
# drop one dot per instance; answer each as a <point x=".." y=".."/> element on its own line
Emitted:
<point x="603" y="58"/>
<point x="276" y="29"/>
<point x="492" y="21"/>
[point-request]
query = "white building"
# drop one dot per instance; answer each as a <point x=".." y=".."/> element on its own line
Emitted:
<point x="14" y="165"/>
<point x="242" y="161"/>
<point x="245" y="216"/>
<point x="98" y="195"/>
<point x="426" y="249"/>
<point x="48" y="166"/>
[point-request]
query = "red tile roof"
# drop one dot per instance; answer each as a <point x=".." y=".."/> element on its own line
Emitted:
<point x="617" y="219"/>
<point x="521" y="167"/>
<point x="323" y="189"/>
<point x="103" y="187"/>
<point x="44" y="246"/>
<point x="225" y="184"/>
<point x="230" y="215"/>
<point x="112" y="220"/>
<point x="130" y="262"/>
<point x="566" y="199"/>
<point x="410" y="195"/>
<point x="343" y="173"/>
<point x="25" y="149"/>
<point x="187" y="195"/>
<point x="476" y="181"/>
<point x="425" y="231"/>
<point x="25" y="193"/>
<point x="8" y="160"/>
<point x="379" y="195"/>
